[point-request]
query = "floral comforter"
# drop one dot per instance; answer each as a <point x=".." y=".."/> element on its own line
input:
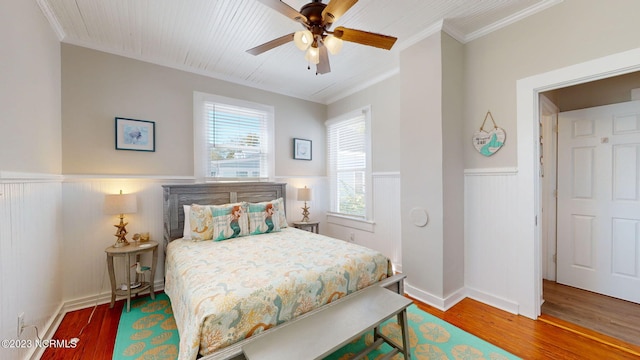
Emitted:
<point x="224" y="291"/>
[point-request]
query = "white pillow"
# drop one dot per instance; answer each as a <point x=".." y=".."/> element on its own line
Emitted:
<point x="186" y="232"/>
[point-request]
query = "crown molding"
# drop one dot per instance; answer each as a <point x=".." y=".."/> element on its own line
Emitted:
<point x="433" y="29"/>
<point x="380" y="77"/>
<point x="53" y="20"/>
<point x="442" y="25"/>
<point x="186" y="68"/>
<point x="510" y="20"/>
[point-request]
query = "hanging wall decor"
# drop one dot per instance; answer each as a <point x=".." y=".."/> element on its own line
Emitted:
<point x="489" y="142"/>
<point x="138" y="135"/>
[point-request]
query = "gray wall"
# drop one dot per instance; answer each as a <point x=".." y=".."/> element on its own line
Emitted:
<point x="571" y="32"/>
<point x="421" y="164"/>
<point x="384" y="98"/>
<point x="97" y="87"/>
<point x="30" y="92"/>
<point x="607" y="91"/>
<point x="30" y="210"/>
<point x="452" y="164"/>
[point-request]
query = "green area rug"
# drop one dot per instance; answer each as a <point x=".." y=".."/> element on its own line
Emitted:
<point x="149" y="332"/>
<point x="429" y="338"/>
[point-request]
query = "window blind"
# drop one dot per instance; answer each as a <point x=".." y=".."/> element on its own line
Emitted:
<point x="236" y="141"/>
<point x="347" y="152"/>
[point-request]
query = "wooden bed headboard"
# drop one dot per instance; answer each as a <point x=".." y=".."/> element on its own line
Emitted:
<point x="176" y="196"/>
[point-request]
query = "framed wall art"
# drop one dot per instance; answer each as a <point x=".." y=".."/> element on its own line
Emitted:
<point x="136" y="135"/>
<point x="301" y="149"/>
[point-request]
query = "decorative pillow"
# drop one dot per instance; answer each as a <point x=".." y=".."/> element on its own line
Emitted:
<point x="186" y="231"/>
<point x="264" y="217"/>
<point x="282" y="216"/>
<point x="200" y="222"/>
<point x="230" y="221"/>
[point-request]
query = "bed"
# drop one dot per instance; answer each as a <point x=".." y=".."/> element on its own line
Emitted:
<point x="226" y="293"/>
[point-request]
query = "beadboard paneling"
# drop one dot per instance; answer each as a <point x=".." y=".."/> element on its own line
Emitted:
<point x="490" y="241"/>
<point x="88" y="231"/>
<point x="30" y="245"/>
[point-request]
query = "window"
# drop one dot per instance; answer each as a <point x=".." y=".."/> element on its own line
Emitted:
<point x="233" y="139"/>
<point x="348" y="144"/>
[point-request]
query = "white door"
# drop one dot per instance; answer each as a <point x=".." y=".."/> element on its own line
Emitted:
<point x="599" y="200"/>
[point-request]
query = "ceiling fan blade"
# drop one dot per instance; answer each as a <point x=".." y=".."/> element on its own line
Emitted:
<point x="285" y="10"/>
<point x="271" y="44"/>
<point x="323" y="66"/>
<point x="365" y="37"/>
<point x="335" y="9"/>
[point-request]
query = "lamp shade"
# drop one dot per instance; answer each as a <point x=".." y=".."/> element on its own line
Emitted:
<point x="333" y="44"/>
<point x="304" y="194"/>
<point x="115" y="204"/>
<point x="303" y="39"/>
<point x="312" y="55"/>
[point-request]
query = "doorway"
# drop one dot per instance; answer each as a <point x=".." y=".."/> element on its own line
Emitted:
<point x="528" y="199"/>
<point x="607" y="164"/>
<point x="598" y="223"/>
<point x="605" y="151"/>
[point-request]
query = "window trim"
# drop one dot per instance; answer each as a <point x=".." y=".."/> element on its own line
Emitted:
<point x="199" y="141"/>
<point x="366" y="111"/>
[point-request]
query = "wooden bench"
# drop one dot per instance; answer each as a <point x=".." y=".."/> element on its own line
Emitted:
<point x="335" y="325"/>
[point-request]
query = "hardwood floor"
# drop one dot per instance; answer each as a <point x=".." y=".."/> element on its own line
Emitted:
<point x="616" y="318"/>
<point x="97" y="337"/>
<point x="523" y="337"/>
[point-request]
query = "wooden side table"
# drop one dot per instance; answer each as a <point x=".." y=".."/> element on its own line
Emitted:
<point x="133" y="249"/>
<point x="313" y="226"/>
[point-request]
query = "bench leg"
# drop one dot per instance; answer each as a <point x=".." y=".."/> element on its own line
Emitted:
<point x="404" y="328"/>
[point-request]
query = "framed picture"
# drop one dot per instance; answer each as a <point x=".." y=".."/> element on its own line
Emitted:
<point x="301" y="149"/>
<point x="137" y="135"/>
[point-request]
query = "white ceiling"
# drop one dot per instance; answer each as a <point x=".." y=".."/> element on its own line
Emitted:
<point x="210" y="37"/>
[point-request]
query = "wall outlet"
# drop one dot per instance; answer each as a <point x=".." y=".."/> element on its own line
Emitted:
<point x="20" y="323"/>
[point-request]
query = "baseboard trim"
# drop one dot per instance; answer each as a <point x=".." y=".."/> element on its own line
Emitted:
<point x="495" y="301"/>
<point x="72" y="305"/>
<point x="439" y="303"/>
<point x="47" y="333"/>
<point x="99" y="299"/>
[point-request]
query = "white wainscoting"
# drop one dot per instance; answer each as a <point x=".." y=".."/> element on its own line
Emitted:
<point x="53" y="234"/>
<point x="30" y="263"/>
<point x="490" y="236"/>
<point x="88" y="232"/>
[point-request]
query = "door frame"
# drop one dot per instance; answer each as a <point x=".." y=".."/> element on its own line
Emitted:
<point x="529" y="201"/>
<point x="549" y="122"/>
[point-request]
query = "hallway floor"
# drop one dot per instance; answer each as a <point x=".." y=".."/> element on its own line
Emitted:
<point x="617" y="318"/>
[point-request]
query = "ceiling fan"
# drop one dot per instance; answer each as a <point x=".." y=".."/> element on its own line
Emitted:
<point x="316" y="39"/>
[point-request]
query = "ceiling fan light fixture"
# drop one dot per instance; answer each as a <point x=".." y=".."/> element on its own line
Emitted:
<point x="333" y="44"/>
<point x="303" y="39"/>
<point x="312" y="55"/>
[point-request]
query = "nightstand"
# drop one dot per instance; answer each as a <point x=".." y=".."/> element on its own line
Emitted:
<point x="128" y="251"/>
<point x="313" y="226"/>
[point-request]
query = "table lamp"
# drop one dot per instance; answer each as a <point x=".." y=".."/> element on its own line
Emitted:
<point x="120" y="204"/>
<point x="304" y="194"/>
